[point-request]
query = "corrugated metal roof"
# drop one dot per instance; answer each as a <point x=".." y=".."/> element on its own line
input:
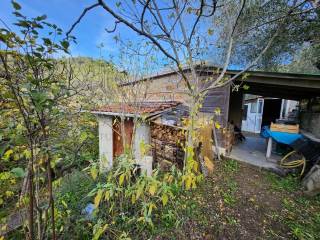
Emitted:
<point x="138" y="108"/>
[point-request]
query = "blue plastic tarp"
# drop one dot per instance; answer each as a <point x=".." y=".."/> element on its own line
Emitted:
<point x="281" y="137"/>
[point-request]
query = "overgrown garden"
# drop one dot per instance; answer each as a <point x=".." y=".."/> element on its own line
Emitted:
<point x="50" y="179"/>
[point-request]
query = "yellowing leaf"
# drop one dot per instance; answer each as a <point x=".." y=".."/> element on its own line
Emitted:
<point x="142" y="148"/>
<point x="217" y="125"/>
<point x="133" y="198"/>
<point x="83" y="137"/>
<point x="64" y="204"/>
<point x="99" y="232"/>
<point x="217" y="111"/>
<point x="121" y="179"/>
<point x="151" y="206"/>
<point x="139" y="191"/>
<point x="9" y="193"/>
<point x="188" y="183"/>
<point x="245" y="87"/>
<point x="4" y="227"/>
<point x="94" y="173"/>
<point x="97" y="198"/>
<point x="7" y="154"/>
<point x="164" y="199"/>
<point x="208" y="164"/>
<point x="152" y="189"/>
<point x="107" y="195"/>
<point x="195" y="166"/>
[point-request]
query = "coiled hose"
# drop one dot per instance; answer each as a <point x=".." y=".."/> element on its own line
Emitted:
<point x="286" y="162"/>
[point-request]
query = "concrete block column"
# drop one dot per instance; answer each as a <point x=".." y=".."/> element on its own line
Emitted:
<point x="142" y="134"/>
<point x="105" y="143"/>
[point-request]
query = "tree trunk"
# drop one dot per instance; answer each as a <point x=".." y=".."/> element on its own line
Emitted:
<point x="31" y="196"/>
<point x="51" y="200"/>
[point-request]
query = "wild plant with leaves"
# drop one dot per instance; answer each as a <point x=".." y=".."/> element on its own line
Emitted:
<point x="128" y="202"/>
<point x="35" y="89"/>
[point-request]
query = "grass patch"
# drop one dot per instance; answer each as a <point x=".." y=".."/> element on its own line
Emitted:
<point x="289" y="183"/>
<point x="228" y="194"/>
<point x="230" y="166"/>
<point x="302" y="217"/>
<point x="300" y="213"/>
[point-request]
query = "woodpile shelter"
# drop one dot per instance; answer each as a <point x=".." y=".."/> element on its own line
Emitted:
<point x="302" y="88"/>
<point x="155" y="123"/>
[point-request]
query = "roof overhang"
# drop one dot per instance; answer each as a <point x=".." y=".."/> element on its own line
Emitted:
<point x="157" y="109"/>
<point x="292" y="80"/>
<point x="116" y="114"/>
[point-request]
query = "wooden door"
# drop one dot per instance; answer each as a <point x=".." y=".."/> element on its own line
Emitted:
<point x="118" y="147"/>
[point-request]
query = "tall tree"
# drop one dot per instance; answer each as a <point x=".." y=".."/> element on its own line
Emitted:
<point x="300" y="35"/>
<point x="37" y="86"/>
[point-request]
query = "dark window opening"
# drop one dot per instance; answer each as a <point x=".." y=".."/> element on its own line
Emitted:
<point x="245" y="112"/>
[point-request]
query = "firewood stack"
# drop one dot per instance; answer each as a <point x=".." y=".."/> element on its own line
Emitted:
<point x="166" y="142"/>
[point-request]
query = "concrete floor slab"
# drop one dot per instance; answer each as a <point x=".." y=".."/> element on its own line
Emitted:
<point x="253" y="152"/>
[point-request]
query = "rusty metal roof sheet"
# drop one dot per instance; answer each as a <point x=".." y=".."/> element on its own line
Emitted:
<point x="138" y="108"/>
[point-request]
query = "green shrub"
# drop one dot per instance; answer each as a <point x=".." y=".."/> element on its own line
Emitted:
<point x="137" y="206"/>
<point x="71" y="198"/>
<point x="127" y="204"/>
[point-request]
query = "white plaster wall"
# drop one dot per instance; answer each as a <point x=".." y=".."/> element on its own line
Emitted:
<point x="105" y="142"/>
<point x="142" y="133"/>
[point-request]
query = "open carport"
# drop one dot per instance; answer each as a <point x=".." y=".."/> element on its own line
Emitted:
<point x="304" y="88"/>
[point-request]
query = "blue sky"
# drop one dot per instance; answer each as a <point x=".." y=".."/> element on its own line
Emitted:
<point x="89" y="33"/>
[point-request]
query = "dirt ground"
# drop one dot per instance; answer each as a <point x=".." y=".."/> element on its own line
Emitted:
<point x="242" y="202"/>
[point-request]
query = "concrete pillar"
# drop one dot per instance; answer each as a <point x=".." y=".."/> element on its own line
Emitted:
<point x="142" y="134"/>
<point x="105" y="142"/>
<point x="146" y="164"/>
<point x="269" y="147"/>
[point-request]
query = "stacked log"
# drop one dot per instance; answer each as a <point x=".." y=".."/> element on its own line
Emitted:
<point x="167" y="142"/>
<point x="167" y="133"/>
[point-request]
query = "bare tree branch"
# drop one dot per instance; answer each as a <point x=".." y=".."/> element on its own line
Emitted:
<point x="146" y="5"/>
<point x="84" y="12"/>
<point x="173" y="47"/>
<point x="254" y="62"/>
<point x="197" y="21"/>
<point x="114" y="28"/>
<point x="214" y="8"/>
<point x="134" y="28"/>
<point x="229" y="50"/>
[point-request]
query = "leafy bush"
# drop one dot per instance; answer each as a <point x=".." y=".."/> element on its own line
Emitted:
<point x="9" y="181"/>
<point x="71" y="198"/>
<point x="129" y="204"/>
